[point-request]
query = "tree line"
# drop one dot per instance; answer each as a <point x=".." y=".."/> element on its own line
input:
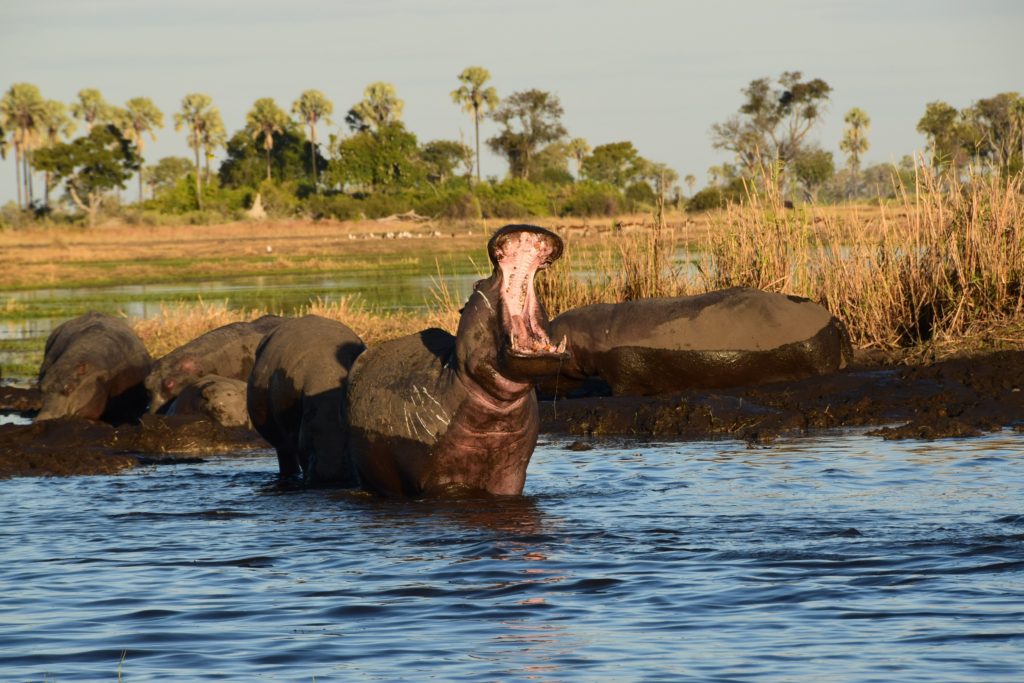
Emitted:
<point x="380" y="165"/>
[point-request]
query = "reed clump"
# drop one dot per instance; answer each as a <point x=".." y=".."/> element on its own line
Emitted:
<point x="180" y="322"/>
<point x="942" y="268"/>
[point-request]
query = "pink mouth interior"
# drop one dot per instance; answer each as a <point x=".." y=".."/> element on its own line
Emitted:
<point x="519" y="256"/>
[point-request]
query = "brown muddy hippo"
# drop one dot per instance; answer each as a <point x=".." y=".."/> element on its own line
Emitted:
<point x="732" y="337"/>
<point x="295" y="393"/>
<point x="432" y="414"/>
<point x="227" y="351"/>
<point x="221" y="399"/>
<point x="93" y="367"/>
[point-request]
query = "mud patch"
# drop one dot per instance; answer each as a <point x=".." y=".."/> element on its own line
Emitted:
<point x="952" y="398"/>
<point x="70" y="446"/>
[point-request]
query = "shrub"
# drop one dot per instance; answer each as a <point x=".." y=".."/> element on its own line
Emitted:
<point x="338" y="206"/>
<point x="513" y="198"/>
<point x="588" y="198"/>
<point x="640" y="195"/>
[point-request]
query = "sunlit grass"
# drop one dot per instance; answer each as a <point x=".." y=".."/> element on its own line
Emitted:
<point x="941" y="270"/>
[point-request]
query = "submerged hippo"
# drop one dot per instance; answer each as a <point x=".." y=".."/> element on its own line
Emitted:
<point x="227" y="351"/>
<point x="221" y="399"/>
<point x="295" y="393"/>
<point x="731" y="337"/>
<point x="93" y="367"/>
<point x="431" y="413"/>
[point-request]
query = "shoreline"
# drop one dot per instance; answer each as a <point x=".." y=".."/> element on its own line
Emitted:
<point x="962" y="396"/>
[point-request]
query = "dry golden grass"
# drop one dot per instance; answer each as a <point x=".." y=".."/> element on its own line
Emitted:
<point x="182" y="322"/>
<point x="942" y="270"/>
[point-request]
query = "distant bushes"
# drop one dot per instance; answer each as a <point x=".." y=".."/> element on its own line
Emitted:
<point x="454" y="199"/>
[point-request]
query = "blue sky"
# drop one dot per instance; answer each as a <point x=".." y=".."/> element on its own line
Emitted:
<point x="655" y="72"/>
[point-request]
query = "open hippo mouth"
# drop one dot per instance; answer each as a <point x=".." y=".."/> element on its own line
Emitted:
<point x="519" y="251"/>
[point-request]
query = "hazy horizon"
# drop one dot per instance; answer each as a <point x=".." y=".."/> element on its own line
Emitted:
<point x="656" y="73"/>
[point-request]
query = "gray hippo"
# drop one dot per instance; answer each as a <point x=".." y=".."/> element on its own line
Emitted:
<point x="731" y="337"/>
<point x="221" y="399"/>
<point x="93" y="367"/>
<point x="432" y="414"/>
<point x="295" y="393"/>
<point x="227" y="351"/>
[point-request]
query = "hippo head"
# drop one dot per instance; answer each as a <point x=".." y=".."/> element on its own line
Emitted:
<point x="163" y="384"/>
<point x="71" y="391"/>
<point x="503" y="339"/>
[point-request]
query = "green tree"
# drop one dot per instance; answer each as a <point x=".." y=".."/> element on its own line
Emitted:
<point x="386" y="159"/>
<point x="812" y="168"/>
<point x="474" y="97"/>
<point x="529" y="119"/>
<point x="946" y="134"/>
<point x="197" y="114"/>
<point x="213" y="137"/>
<point x="55" y="125"/>
<point x="312" y="107"/>
<point x="691" y="182"/>
<point x="166" y="173"/>
<point x="266" y="119"/>
<point x="245" y="162"/>
<point x="380" y="107"/>
<point x="91" y="166"/>
<point x="550" y="165"/>
<point x="855" y="143"/>
<point x="999" y="131"/>
<point x="442" y="157"/>
<point x="616" y="163"/>
<point x="139" y="116"/>
<point x="772" y="124"/>
<point x="91" y="108"/>
<point x="578" y="150"/>
<point x="21" y="112"/>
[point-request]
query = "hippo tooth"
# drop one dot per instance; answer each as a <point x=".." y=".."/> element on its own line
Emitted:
<point x="561" y="346"/>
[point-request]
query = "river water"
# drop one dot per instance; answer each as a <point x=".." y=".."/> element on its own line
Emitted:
<point x="838" y="557"/>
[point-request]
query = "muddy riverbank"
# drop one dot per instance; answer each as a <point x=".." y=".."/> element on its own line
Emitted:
<point x="956" y="397"/>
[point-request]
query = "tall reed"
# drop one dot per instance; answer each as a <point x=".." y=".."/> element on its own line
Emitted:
<point x="943" y="266"/>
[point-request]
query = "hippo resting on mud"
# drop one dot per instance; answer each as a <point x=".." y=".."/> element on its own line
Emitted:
<point x="727" y="338"/>
<point x="431" y="414"/>
<point x="221" y="399"/>
<point x="295" y="393"/>
<point x="227" y="351"/>
<point x="93" y="367"/>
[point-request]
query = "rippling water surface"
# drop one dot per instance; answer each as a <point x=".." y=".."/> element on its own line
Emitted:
<point x="837" y="558"/>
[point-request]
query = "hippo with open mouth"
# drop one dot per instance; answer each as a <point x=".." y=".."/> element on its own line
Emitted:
<point x="431" y="414"/>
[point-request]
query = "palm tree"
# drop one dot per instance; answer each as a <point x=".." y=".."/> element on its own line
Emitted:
<point x="266" y="119"/>
<point x="55" y="124"/>
<point x="90" y="107"/>
<point x="380" y="107"/>
<point x="578" y="150"/>
<point x="140" y="116"/>
<point x="214" y="136"/>
<point x="691" y="182"/>
<point x="21" y="111"/>
<point x="473" y="97"/>
<point x="311" y="107"/>
<point x="855" y="142"/>
<point x="197" y="111"/>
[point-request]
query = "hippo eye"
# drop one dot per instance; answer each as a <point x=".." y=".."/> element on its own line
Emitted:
<point x="66" y="390"/>
<point x="168" y="384"/>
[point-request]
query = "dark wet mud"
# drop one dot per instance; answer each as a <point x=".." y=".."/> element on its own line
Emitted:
<point x="955" y="397"/>
<point x="951" y="398"/>
<point x="69" y="446"/>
